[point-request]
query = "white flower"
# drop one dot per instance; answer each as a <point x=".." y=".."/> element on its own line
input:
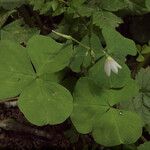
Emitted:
<point x="111" y="65"/>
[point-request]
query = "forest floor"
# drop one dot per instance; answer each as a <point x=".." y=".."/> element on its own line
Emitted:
<point x="18" y="134"/>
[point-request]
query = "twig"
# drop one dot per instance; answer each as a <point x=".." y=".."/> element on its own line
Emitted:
<point x="12" y="125"/>
<point x="9" y="99"/>
<point x="10" y="104"/>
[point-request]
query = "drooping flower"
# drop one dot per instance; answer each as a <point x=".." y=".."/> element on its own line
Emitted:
<point x="111" y="65"/>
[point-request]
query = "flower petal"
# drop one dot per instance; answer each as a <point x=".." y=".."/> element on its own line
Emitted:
<point x="111" y="65"/>
<point x="118" y="65"/>
<point x="107" y="68"/>
<point x="114" y="68"/>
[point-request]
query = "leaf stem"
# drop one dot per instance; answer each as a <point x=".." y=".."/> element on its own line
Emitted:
<point x="69" y="37"/>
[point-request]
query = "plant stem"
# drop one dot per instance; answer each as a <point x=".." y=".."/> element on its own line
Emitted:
<point x="83" y="45"/>
<point x="69" y="37"/>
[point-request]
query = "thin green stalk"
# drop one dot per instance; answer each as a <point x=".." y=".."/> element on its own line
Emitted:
<point x="69" y="37"/>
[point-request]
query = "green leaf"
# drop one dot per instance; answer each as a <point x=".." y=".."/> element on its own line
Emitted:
<point x="49" y="6"/>
<point x="83" y="10"/>
<point x="148" y="4"/>
<point x="50" y="102"/>
<point x="130" y="6"/>
<point x="82" y="57"/>
<point x="45" y="103"/>
<point x="135" y="7"/>
<point x="79" y="9"/>
<point x="47" y="55"/>
<point x="16" y="71"/>
<point x="144" y="146"/>
<point x="114" y="5"/>
<point x="77" y="3"/>
<point x="54" y="77"/>
<point x="17" y="31"/>
<point x="11" y="4"/>
<point x="105" y="19"/>
<point x="54" y="4"/>
<point x="140" y="103"/>
<point x="93" y="112"/>
<point x="118" y="45"/>
<point x="119" y="80"/>
<point x="143" y="79"/>
<point x="116" y="127"/>
<point x="140" y="58"/>
<point x="145" y="49"/>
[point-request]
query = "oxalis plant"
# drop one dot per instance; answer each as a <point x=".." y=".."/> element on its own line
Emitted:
<point x="101" y="96"/>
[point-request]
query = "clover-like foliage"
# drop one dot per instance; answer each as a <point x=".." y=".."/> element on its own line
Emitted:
<point x="82" y="66"/>
<point x="42" y="100"/>
<point x="94" y="112"/>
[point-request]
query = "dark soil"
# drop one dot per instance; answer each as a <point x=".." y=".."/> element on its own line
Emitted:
<point x="17" y="133"/>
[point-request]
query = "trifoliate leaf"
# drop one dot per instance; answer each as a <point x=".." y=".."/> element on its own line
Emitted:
<point x="47" y="55"/>
<point x="144" y="146"/>
<point x="93" y="112"/>
<point x="104" y="19"/>
<point x="118" y="45"/>
<point x="116" y="127"/>
<point x="50" y="102"/>
<point x="17" y="31"/>
<point x="83" y="57"/>
<point x="45" y="103"/>
<point x="16" y="71"/>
